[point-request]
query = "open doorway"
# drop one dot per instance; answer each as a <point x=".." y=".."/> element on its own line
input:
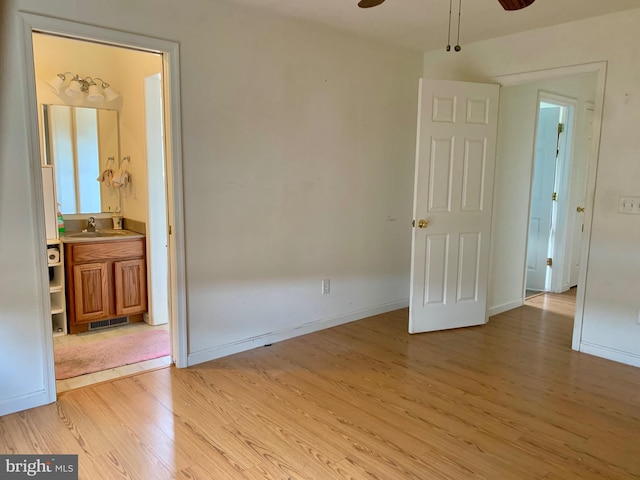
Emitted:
<point x="109" y="289"/>
<point x="553" y="155"/>
<point x="169" y="53"/>
<point x="519" y="102"/>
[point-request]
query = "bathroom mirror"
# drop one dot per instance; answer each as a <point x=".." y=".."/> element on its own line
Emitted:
<point x="81" y="143"/>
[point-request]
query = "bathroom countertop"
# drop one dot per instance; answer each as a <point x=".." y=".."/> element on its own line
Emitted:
<point x="109" y="236"/>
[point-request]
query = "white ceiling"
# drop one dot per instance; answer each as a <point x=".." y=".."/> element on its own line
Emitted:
<point x="423" y="24"/>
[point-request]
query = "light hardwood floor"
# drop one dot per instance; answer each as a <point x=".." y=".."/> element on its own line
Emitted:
<point x="504" y="401"/>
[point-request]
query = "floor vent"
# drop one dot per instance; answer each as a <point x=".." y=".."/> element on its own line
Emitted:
<point x="108" y="323"/>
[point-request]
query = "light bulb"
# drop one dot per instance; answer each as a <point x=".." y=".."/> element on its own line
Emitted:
<point x="110" y="94"/>
<point x="94" y="94"/>
<point x="74" y="89"/>
<point x="56" y="82"/>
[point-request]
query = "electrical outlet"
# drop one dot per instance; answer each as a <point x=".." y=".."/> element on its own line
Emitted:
<point x="629" y="205"/>
<point x="326" y="286"/>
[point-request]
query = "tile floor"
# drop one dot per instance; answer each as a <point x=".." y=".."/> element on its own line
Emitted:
<point x="84" y="380"/>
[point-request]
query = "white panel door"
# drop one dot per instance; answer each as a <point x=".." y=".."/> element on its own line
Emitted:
<point x="544" y="175"/>
<point x="455" y="158"/>
<point x="580" y="171"/>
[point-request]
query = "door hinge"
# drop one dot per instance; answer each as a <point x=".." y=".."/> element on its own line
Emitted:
<point x="413" y="223"/>
<point x="554" y="197"/>
<point x="169" y="229"/>
<point x="560" y="128"/>
<point x="549" y="262"/>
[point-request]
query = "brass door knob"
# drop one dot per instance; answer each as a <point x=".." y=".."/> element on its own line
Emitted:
<point x="423" y="224"/>
<point x="580" y="209"/>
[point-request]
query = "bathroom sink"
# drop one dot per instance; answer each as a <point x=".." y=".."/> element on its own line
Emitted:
<point x="98" y="233"/>
<point x="102" y="235"/>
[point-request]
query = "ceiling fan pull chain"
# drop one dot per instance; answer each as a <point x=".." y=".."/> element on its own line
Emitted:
<point x="458" y="47"/>
<point x="449" y="34"/>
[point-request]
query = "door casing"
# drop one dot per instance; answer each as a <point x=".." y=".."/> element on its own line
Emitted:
<point x="31" y="23"/>
<point x="600" y="71"/>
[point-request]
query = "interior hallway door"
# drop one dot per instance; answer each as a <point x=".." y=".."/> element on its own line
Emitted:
<point x="578" y="212"/>
<point x="544" y="174"/>
<point x="453" y="193"/>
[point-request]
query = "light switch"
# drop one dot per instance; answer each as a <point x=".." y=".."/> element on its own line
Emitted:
<point x="629" y="205"/>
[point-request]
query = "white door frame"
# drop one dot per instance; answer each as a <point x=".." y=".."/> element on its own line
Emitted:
<point x="170" y="54"/>
<point x="600" y="70"/>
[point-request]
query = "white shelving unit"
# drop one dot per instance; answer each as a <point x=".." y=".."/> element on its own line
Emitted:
<point x="57" y="290"/>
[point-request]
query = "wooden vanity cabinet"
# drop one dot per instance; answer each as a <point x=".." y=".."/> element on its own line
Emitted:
<point x="130" y="286"/>
<point x="90" y="286"/>
<point x="106" y="280"/>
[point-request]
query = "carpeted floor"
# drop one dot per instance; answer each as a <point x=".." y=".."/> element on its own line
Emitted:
<point x="76" y="360"/>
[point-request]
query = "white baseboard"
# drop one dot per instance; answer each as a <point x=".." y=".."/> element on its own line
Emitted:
<point x="505" y="307"/>
<point x="23" y="402"/>
<point x="563" y="288"/>
<point x="262" y="340"/>
<point x="610" y="354"/>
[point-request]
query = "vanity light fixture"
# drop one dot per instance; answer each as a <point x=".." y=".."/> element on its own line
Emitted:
<point x="94" y="94"/>
<point x="57" y="81"/>
<point x="109" y="93"/>
<point x="75" y="87"/>
<point x="79" y="86"/>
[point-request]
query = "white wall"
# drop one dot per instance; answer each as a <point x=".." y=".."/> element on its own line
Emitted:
<point x="514" y="169"/>
<point x="298" y="146"/>
<point x="612" y="301"/>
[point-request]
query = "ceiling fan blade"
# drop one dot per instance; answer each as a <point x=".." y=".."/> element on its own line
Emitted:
<point x="369" y="3"/>
<point x="515" y="4"/>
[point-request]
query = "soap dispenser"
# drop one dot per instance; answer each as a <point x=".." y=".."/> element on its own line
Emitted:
<point x="60" y="222"/>
<point x="117" y="219"/>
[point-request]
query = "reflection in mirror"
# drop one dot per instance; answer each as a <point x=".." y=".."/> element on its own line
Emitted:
<point x="81" y="143"/>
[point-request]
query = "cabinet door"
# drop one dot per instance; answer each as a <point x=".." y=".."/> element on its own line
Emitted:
<point x="131" y="287"/>
<point x="91" y="288"/>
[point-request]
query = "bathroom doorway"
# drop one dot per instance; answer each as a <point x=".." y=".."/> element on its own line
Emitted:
<point x="170" y="305"/>
<point x="89" y="143"/>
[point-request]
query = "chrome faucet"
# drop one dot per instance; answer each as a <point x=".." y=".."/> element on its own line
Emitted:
<point x="91" y="224"/>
